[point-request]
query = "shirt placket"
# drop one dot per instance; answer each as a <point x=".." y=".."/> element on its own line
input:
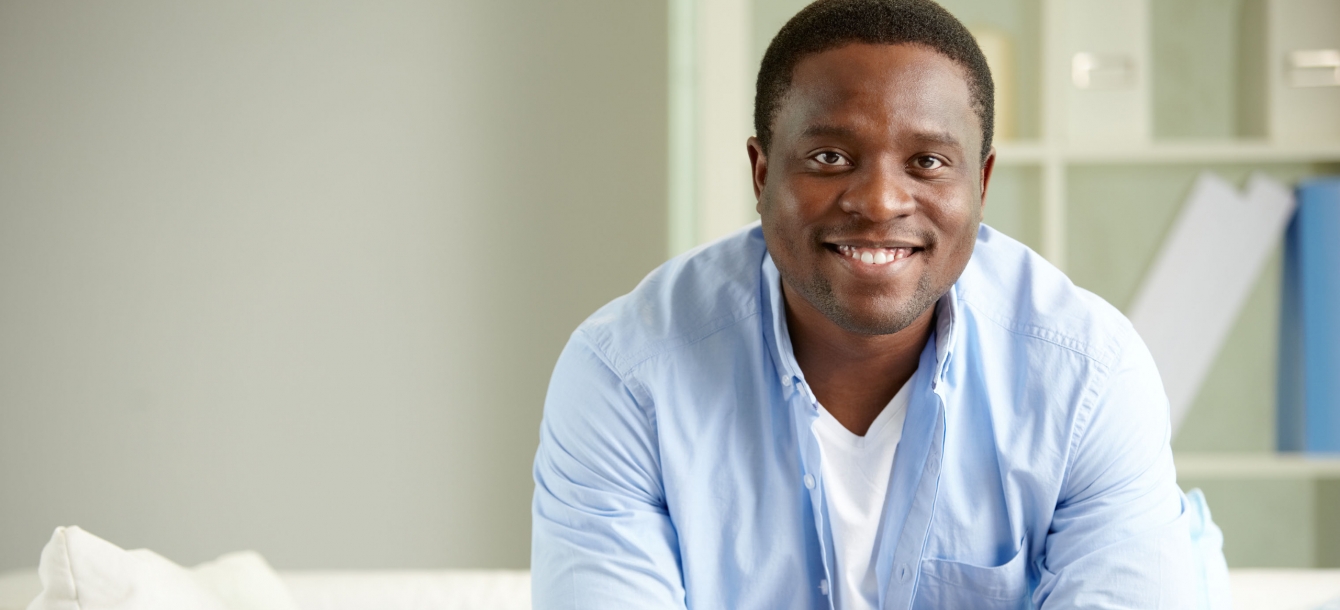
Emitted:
<point x="805" y="410"/>
<point x="897" y="564"/>
<point x="914" y="486"/>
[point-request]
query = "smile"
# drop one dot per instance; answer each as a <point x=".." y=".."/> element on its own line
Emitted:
<point x="874" y="256"/>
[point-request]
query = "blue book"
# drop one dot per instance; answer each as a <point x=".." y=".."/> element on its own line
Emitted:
<point x="1309" y="372"/>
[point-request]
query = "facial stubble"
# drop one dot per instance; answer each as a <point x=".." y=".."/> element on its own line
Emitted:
<point x="817" y="290"/>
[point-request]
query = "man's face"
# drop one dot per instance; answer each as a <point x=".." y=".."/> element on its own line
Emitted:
<point x="871" y="190"/>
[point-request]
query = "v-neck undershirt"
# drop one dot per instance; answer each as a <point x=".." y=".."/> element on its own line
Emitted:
<point x="856" y="472"/>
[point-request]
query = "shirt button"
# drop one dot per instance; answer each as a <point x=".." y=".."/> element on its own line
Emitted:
<point x="903" y="572"/>
<point x="823" y="587"/>
<point x="809" y="481"/>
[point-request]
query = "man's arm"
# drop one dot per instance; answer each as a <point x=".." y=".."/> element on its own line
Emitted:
<point x="1119" y="537"/>
<point x="601" y="537"/>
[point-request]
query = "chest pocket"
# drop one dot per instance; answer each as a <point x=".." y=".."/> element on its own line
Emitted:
<point x="950" y="584"/>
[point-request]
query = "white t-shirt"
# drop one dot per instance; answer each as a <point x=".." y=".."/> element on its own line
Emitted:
<point x="856" y="473"/>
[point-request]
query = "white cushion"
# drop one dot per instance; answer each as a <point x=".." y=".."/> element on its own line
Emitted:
<point x="80" y="571"/>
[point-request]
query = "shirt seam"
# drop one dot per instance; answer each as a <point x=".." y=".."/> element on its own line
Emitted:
<point x="664" y="346"/>
<point x="1084" y="417"/>
<point x="1102" y="370"/>
<point x="1041" y="333"/>
<point x="641" y="398"/>
<point x="686" y="340"/>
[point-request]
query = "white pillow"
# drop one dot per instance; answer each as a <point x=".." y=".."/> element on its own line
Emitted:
<point x="80" y="571"/>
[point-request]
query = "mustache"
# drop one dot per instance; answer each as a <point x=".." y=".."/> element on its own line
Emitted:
<point x="858" y="228"/>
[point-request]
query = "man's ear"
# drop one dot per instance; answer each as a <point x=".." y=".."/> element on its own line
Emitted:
<point x="987" y="167"/>
<point x="758" y="164"/>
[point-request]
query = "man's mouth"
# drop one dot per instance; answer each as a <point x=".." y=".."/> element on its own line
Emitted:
<point x="873" y="256"/>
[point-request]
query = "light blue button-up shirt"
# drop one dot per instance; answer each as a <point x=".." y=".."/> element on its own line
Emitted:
<point x="678" y="468"/>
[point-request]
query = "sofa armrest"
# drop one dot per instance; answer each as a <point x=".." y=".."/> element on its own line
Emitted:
<point x="410" y="590"/>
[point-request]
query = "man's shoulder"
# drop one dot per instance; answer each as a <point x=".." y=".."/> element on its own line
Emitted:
<point x="1009" y="286"/>
<point x="691" y="296"/>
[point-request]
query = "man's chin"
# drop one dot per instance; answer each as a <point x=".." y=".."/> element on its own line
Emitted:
<point x="876" y="321"/>
<point x="866" y="314"/>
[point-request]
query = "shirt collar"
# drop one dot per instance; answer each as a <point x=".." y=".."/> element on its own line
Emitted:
<point x="788" y="371"/>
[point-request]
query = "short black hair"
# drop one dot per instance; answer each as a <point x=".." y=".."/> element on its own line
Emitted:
<point x="828" y="24"/>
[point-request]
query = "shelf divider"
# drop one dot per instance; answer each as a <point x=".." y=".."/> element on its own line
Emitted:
<point x="1257" y="465"/>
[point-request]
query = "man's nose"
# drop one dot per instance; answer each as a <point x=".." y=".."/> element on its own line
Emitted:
<point x="880" y="194"/>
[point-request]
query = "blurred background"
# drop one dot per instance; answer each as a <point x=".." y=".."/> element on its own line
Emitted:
<point x="292" y="276"/>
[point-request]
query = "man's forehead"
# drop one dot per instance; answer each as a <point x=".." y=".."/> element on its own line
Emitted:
<point x="845" y="87"/>
<point x="874" y="73"/>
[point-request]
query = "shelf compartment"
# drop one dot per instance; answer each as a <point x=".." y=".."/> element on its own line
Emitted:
<point x="1240" y="151"/>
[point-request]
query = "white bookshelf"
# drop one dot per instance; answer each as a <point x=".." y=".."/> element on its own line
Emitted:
<point x="710" y="117"/>
<point x="1053" y="154"/>
<point x="1242" y="151"/>
<point x="1055" y="158"/>
<point x="1237" y="466"/>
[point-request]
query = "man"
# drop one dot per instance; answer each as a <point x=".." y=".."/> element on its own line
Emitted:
<point x="871" y="400"/>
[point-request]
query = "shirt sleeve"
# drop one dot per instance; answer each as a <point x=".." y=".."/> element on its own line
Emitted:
<point x="1119" y="536"/>
<point x="601" y="535"/>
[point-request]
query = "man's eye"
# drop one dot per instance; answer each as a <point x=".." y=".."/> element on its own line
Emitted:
<point x="830" y="158"/>
<point x="928" y="162"/>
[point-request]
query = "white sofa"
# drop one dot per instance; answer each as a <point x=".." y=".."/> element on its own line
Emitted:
<point x="1253" y="589"/>
<point x="363" y="590"/>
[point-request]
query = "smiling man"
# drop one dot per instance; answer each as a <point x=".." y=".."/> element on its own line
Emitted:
<point x="871" y="400"/>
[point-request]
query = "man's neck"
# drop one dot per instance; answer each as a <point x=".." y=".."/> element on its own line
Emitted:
<point x="853" y="375"/>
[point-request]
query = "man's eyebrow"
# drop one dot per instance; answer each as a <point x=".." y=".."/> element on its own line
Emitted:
<point x="830" y="131"/>
<point x="938" y="137"/>
<point x="837" y="131"/>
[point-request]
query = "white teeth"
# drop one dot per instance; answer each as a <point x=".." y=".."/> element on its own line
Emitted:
<point x="874" y="256"/>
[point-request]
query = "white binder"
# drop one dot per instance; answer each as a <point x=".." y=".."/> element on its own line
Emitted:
<point x="1107" y="82"/>
<point x="1303" y="71"/>
<point x="1203" y="274"/>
